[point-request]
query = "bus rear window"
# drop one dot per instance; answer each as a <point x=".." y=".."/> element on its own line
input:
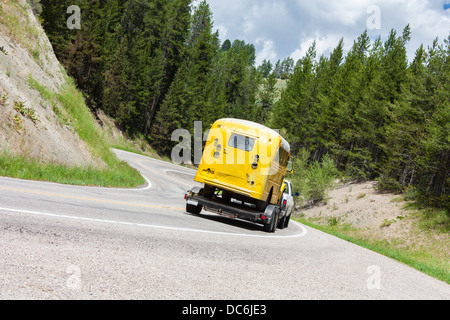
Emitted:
<point x="241" y="142"/>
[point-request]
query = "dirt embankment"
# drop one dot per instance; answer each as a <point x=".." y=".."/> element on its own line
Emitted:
<point x="358" y="204"/>
<point x="31" y="123"/>
<point x="377" y="216"/>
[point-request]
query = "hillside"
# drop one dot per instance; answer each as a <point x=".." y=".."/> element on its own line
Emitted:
<point x="46" y="130"/>
<point x="385" y="222"/>
<point x="31" y="124"/>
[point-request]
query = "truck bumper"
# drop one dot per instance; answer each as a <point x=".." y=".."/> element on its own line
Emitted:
<point x="229" y="209"/>
<point x="229" y="187"/>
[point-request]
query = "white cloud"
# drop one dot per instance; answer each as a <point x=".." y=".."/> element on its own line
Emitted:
<point x="223" y="31"/>
<point x="281" y="28"/>
<point x="343" y="12"/>
<point x="267" y="51"/>
<point x="324" y="45"/>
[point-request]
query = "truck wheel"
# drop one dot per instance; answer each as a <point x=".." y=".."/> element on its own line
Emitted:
<point x="282" y="223"/>
<point x="270" y="227"/>
<point x="193" y="209"/>
<point x="286" y="223"/>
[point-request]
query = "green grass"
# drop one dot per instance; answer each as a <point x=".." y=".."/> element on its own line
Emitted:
<point x="71" y="110"/>
<point x="431" y="219"/>
<point x="73" y="102"/>
<point x="114" y="173"/>
<point x="427" y="260"/>
<point x="43" y="91"/>
<point x="120" y="175"/>
<point x="14" y="17"/>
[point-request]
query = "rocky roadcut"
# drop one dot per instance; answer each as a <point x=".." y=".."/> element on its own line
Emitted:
<point x="29" y="71"/>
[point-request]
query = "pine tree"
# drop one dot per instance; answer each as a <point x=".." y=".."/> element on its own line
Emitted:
<point x="117" y="96"/>
<point x="172" y="114"/>
<point x="265" y="68"/>
<point x="287" y="67"/>
<point x="267" y="99"/>
<point x="175" y="33"/>
<point x="54" y="20"/>
<point x="292" y="111"/>
<point x="83" y="62"/>
<point x="434" y="163"/>
<point x="226" y="45"/>
<point x="241" y="79"/>
<point x="188" y="90"/>
<point x="278" y="69"/>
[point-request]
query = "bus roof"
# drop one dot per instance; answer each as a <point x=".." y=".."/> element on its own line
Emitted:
<point x="246" y="123"/>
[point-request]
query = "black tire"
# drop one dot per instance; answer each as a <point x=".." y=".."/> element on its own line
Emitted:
<point x="286" y="223"/>
<point x="193" y="209"/>
<point x="272" y="226"/>
<point x="282" y="223"/>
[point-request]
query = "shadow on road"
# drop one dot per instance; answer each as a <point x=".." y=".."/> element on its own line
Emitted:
<point x="241" y="224"/>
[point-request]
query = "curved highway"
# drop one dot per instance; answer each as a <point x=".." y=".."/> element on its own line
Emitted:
<point x="69" y="242"/>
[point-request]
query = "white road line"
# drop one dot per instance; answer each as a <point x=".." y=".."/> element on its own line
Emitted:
<point x="149" y="184"/>
<point x="303" y="233"/>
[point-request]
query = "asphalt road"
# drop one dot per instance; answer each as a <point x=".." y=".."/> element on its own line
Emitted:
<point x="68" y="242"/>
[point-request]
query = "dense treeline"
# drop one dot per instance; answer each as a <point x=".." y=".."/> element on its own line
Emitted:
<point x="374" y="113"/>
<point x="157" y="65"/>
<point x="153" y="65"/>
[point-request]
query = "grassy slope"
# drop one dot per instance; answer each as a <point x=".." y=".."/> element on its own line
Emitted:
<point x="115" y="174"/>
<point x="422" y="241"/>
<point x="71" y="110"/>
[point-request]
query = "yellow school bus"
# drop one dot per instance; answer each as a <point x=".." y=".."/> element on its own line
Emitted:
<point x="242" y="169"/>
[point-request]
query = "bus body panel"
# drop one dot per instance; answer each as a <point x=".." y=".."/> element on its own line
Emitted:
<point x="244" y="158"/>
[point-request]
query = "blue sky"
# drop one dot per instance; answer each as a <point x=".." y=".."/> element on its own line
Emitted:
<point x="283" y="28"/>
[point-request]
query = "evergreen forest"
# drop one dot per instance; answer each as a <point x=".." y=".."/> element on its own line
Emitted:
<point x="159" y="65"/>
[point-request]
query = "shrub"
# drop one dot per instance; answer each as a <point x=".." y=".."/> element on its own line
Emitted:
<point x="389" y="184"/>
<point x="35" y="6"/>
<point x="314" y="180"/>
